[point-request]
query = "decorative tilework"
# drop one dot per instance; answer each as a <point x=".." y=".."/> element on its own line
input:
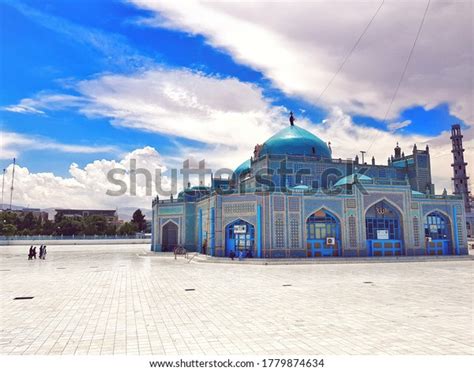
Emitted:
<point x="173" y="210"/>
<point x="166" y="220"/>
<point x="350" y="203"/>
<point x="239" y="208"/>
<point x="416" y="231"/>
<point x="279" y="231"/>
<point x="394" y="198"/>
<point x="414" y="205"/>
<point x="293" y="204"/>
<point x="279" y="203"/>
<point x="460" y="233"/>
<point x="352" y="231"/>
<point x="294" y="232"/>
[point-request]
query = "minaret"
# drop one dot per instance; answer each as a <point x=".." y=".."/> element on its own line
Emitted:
<point x="459" y="166"/>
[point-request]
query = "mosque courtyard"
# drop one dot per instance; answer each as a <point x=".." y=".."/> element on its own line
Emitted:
<point x="111" y="299"/>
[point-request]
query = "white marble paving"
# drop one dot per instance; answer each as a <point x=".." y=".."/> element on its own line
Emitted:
<point x="118" y="300"/>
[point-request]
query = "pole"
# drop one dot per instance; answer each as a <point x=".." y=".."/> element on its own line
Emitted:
<point x="3" y="186"/>
<point x="13" y="180"/>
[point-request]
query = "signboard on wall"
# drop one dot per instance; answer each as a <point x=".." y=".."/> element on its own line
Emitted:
<point x="382" y="234"/>
<point x="239" y="229"/>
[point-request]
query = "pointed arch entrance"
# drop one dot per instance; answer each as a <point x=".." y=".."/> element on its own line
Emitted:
<point x="323" y="234"/>
<point x="383" y="228"/>
<point x="240" y="236"/>
<point x="437" y="234"/>
<point x="170" y="236"/>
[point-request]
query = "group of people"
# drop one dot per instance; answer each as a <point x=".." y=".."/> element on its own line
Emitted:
<point x="242" y="254"/>
<point x="32" y="252"/>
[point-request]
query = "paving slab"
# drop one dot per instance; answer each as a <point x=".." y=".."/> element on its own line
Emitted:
<point x="118" y="299"/>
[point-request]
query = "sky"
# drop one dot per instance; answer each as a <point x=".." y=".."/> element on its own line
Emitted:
<point x="86" y="86"/>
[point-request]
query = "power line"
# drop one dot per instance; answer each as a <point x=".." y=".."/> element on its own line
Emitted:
<point x="350" y="52"/>
<point x="420" y="27"/>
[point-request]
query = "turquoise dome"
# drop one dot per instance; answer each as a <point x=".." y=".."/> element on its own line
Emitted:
<point x="294" y="140"/>
<point x="242" y="168"/>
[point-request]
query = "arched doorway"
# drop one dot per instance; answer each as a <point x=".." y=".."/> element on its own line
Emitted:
<point x="437" y="234"/>
<point x="240" y="236"/>
<point x="323" y="234"/>
<point x="383" y="227"/>
<point x="170" y="236"/>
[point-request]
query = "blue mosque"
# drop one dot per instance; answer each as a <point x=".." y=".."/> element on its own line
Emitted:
<point x="293" y="199"/>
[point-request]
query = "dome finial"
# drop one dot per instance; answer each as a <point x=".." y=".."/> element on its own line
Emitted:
<point x="292" y="119"/>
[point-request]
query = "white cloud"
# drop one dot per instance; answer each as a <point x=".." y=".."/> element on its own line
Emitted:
<point x="300" y="46"/>
<point x="227" y="116"/>
<point x="394" y="126"/>
<point x="44" y="101"/>
<point x="347" y="139"/>
<point x="86" y="187"/>
<point x="12" y="144"/>
<point x="22" y="108"/>
<point x="182" y="103"/>
<point x="222" y="112"/>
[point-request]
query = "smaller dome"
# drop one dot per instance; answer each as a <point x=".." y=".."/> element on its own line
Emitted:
<point x="242" y="168"/>
<point x="301" y="188"/>
<point x="350" y="179"/>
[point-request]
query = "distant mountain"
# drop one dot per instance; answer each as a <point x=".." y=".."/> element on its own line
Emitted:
<point x="7" y="206"/>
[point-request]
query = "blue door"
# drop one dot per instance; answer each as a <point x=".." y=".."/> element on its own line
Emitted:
<point x="321" y="227"/>
<point x="383" y="230"/>
<point x="240" y="237"/>
<point x="437" y="234"/>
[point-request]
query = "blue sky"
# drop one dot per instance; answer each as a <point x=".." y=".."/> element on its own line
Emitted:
<point x="50" y="48"/>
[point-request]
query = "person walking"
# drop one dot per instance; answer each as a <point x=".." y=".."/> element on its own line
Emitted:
<point x="241" y="255"/>
<point x="232" y="255"/>
<point x="30" y="253"/>
<point x="34" y="252"/>
<point x="44" y="252"/>
<point x="41" y="252"/>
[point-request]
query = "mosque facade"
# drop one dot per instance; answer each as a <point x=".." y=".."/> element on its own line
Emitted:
<point x="292" y="199"/>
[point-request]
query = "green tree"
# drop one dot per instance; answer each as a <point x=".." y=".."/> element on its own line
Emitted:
<point x="94" y="224"/>
<point x="47" y="228"/>
<point x="139" y="220"/>
<point x="7" y="217"/>
<point x="8" y="229"/>
<point x="29" y="223"/>
<point x="68" y="227"/>
<point x="127" y="228"/>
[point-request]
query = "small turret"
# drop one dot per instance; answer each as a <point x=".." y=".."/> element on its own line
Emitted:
<point x="373" y="160"/>
<point x="397" y="151"/>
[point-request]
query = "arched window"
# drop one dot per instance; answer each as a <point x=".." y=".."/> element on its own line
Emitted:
<point x="323" y="231"/>
<point x="382" y="221"/>
<point x="437" y="226"/>
<point x="240" y="236"/>
<point x="322" y="224"/>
